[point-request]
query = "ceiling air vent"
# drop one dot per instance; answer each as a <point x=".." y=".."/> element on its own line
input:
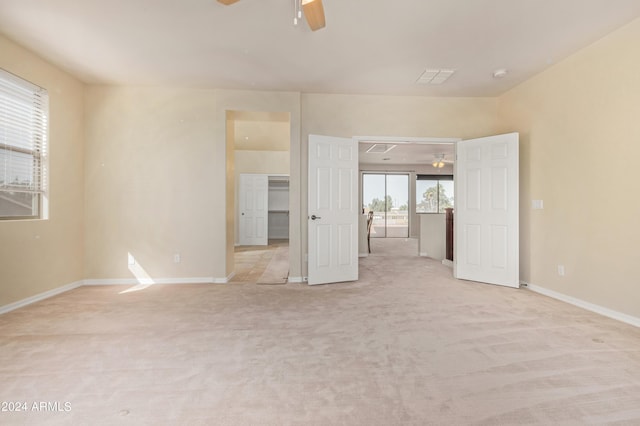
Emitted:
<point x="435" y="76"/>
<point x="380" y="148"/>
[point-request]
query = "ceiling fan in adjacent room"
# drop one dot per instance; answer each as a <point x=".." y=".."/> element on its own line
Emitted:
<point x="439" y="161"/>
<point x="312" y="9"/>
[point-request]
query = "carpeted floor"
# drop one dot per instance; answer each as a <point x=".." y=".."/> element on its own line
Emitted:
<point x="405" y="345"/>
<point x="277" y="271"/>
<point x="262" y="264"/>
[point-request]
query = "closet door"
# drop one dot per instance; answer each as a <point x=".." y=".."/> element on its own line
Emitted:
<point x="253" y="210"/>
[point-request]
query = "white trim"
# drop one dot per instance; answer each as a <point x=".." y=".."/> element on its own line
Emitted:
<point x="38" y="297"/>
<point x="421" y="254"/>
<point x="447" y="262"/>
<point x="610" y="313"/>
<point x="117" y="281"/>
<point x="223" y="280"/>
<point x="363" y="254"/>
<point x="296" y="279"/>
<point x="406" y="140"/>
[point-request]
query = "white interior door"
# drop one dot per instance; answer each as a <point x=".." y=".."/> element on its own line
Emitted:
<point x="253" y="210"/>
<point x="486" y="210"/>
<point x="333" y="210"/>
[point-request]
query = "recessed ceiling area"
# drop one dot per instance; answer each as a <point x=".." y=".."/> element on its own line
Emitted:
<point x="367" y="46"/>
<point x="405" y="153"/>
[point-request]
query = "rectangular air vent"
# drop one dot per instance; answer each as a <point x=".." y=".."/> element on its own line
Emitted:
<point x="380" y="148"/>
<point x="435" y="76"/>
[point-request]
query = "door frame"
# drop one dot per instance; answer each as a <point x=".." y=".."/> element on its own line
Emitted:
<point x="230" y="105"/>
<point x="387" y="139"/>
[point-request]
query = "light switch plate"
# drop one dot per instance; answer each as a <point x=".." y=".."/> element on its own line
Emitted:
<point x="537" y="204"/>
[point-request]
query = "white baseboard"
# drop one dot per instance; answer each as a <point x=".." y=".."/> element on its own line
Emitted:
<point x="116" y="281"/>
<point x="134" y="281"/>
<point x="363" y="254"/>
<point x="610" y="313"/>
<point x="447" y="262"/>
<point x="421" y="254"/>
<point x="38" y="297"/>
<point x="222" y="280"/>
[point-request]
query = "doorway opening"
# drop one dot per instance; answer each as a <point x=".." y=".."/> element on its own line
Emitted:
<point x="415" y="158"/>
<point x="258" y="154"/>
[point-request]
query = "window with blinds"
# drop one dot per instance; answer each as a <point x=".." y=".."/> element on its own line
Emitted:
<point x="24" y="110"/>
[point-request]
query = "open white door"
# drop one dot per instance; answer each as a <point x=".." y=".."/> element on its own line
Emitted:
<point x="486" y="210"/>
<point x="333" y="211"/>
<point x="253" y="210"/>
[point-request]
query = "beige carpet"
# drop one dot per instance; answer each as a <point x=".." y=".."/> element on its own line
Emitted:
<point x="262" y="264"/>
<point x="277" y="271"/>
<point x="405" y="345"/>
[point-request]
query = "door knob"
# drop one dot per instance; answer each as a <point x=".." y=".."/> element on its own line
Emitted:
<point x="314" y="217"/>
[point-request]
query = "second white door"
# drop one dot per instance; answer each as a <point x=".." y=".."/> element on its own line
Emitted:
<point x="486" y="215"/>
<point x="254" y="210"/>
<point x="333" y="210"/>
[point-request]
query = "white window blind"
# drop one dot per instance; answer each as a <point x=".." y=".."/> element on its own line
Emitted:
<point x="24" y="109"/>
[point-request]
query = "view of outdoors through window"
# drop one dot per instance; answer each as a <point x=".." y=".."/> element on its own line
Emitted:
<point x="433" y="195"/>
<point x="23" y="134"/>
<point x="16" y="203"/>
<point x="387" y="196"/>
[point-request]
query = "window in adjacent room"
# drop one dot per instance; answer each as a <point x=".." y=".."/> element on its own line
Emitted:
<point x="387" y="196"/>
<point x="434" y="193"/>
<point x="24" y="110"/>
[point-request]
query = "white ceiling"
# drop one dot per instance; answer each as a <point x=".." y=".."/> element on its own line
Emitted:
<point x="368" y="46"/>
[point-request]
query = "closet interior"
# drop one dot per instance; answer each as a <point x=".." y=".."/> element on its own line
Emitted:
<point x="278" y="207"/>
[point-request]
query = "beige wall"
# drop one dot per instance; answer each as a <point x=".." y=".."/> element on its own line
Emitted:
<point x="408" y="116"/>
<point x="160" y="179"/>
<point x="37" y="256"/>
<point x="580" y="141"/>
<point x="433" y="236"/>
<point x="155" y="183"/>
<point x="263" y="162"/>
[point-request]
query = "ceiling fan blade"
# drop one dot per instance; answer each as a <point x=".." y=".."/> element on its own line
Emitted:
<point x="227" y="2"/>
<point x="314" y="13"/>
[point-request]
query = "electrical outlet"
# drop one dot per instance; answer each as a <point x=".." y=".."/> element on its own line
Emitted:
<point x="537" y="204"/>
<point x="177" y="258"/>
<point x="561" y="270"/>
